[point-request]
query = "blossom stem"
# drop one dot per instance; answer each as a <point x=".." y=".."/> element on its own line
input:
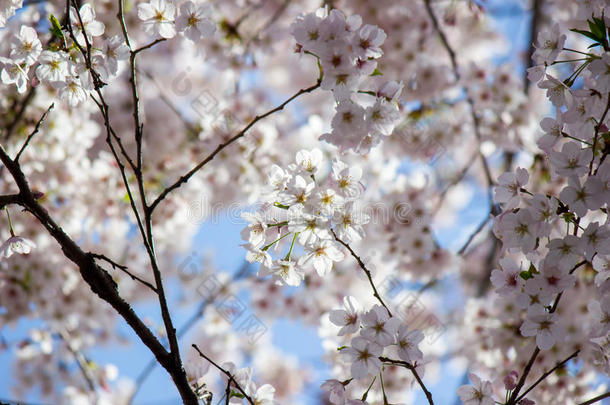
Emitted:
<point x="10" y="223"/>
<point x="366" y="393"/>
<point x="291" y="246"/>
<point x="265" y="248"/>
<point x="574" y="50"/>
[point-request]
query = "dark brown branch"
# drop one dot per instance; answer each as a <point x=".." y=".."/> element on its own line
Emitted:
<point x="443" y="38"/>
<point x="10" y="199"/>
<point x="364" y="268"/>
<point x="521" y="382"/>
<point x="413" y="371"/>
<point x="197" y="315"/>
<point x="146" y="233"/>
<point x="100" y="282"/>
<point x="597" y="128"/>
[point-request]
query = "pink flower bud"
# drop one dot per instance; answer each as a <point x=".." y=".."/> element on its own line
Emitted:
<point x="510" y="381"/>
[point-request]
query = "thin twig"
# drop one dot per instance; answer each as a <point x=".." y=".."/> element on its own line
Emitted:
<point x="124" y="269"/>
<point x="364" y="268"/>
<point x="457" y="179"/>
<point x="226" y="373"/>
<point x="456" y="72"/>
<point x="199" y="312"/>
<point x="185" y="178"/>
<point x="528" y="367"/>
<point x="20" y="112"/>
<point x="415" y="374"/>
<point x="545" y="375"/>
<point x="153" y="43"/>
<point x="596" y="399"/>
<point x="34" y="132"/>
<point x="474" y="234"/>
<point x="82" y="364"/>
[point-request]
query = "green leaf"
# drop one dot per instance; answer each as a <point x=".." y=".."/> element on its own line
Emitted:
<point x="526" y="275"/>
<point x="586" y="34"/>
<point x="56" y="27"/>
<point x="569" y="217"/>
<point x="600" y="25"/>
<point x="282" y="206"/>
<point x="595" y="30"/>
<point x="236" y="394"/>
<point x="376" y="72"/>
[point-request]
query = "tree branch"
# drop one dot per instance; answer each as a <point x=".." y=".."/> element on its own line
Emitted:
<point x="366" y="271"/>
<point x="596" y="399"/>
<point x="10" y="199"/>
<point x="34" y="132"/>
<point x="185" y="178"/>
<point x="100" y="282"/>
<point x="456" y="72"/>
<point x="415" y="374"/>
<point x="226" y="373"/>
<point x="545" y="375"/>
<point x="124" y="269"/>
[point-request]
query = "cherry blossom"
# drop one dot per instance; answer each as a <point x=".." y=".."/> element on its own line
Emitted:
<point x="193" y="21"/>
<point x="349" y="318"/>
<point x="363" y="354"/>
<point x="158" y="18"/>
<point x="480" y="393"/>
<point x="543" y="325"/>
<point x="16" y="244"/>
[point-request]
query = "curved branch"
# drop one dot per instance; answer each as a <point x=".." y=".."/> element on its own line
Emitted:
<point x="366" y="271"/>
<point x="185" y="178"/>
<point x="415" y="374"/>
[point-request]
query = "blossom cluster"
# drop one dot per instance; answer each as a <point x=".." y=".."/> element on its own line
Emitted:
<point x="68" y="66"/>
<point x="373" y="333"/>
<point x="159" y="19"/>
<point x="554" y="230"/>
<point x="466" y="117"/>
<point x="314" y="213"/>
<point x="347" y="52"/>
